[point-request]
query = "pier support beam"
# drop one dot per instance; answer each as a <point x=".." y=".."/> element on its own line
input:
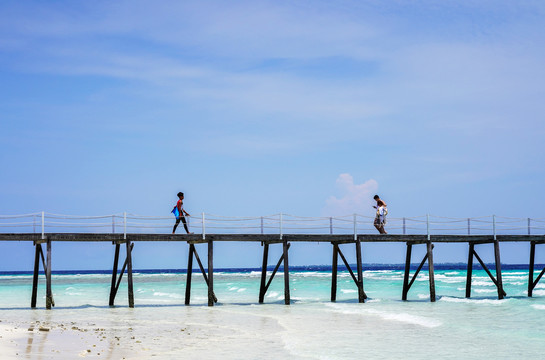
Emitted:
<point x="287" y="298"/>
<point x="116" y="278"/>
<point x="39" y="255"/>
<point x="496" y="280"/>
<point x="334" y="268"/>
<point x="357" y="280"/>
<point x="38" y="251"/>
<point x="264" y="283"/>
<point x="207" y="278"/>
<point x="262" y="288"/>
<point x="48" y="292"/>
<point x="211" y="297"/>
<point x="531" y="282"/>
<point x="469" y="269"/>
<point x="428" y="257"/>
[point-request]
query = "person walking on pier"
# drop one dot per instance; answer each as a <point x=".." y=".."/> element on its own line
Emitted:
<point x="179" y="212"/>
<point x="380" y="218"/>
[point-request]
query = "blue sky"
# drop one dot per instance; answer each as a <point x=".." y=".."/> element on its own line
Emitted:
<point x="256" y="107"/>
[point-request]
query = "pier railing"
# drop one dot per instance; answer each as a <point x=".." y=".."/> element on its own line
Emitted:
<point x="44" y="222"/>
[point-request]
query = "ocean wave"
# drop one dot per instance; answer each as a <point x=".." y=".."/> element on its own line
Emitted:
<point x="348" y="291"/>
<point x="539" y="292"/>
<point x="538" y="306"/>
<point x="507" y="277"/>
<point x="473" y="301"/>
<point x="517" y="273"/>
<point x="485" y="290"/>
<point x="15" y="277"/>
<point x="398" y="317"/>
<point x="315" y="274"/>
<point x="161" y="275"/>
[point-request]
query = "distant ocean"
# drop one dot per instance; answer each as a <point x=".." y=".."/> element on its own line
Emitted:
<point x="312" y="327"/>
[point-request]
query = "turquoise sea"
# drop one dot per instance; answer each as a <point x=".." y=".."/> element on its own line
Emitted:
<point x="384" y="327"/>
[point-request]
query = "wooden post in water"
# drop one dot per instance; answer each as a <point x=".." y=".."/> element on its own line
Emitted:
<point x="114" y="275"/>
<point x="210" y="273"/>
<point x="49" y="294"/>
<point x="286" y="274"/>
<point x="264" y="272"/>
<point x="430" y="261"/>
<point x="334" y="268"/>
<point x="430" y="271"/>
<point x="531" y="268"/>
<point x="361" y="293"/>
<point x="129" y="275"/>
<point x="469" y="269"/>
<point x="189" y="274"/>
<point x="498" y="269"/>
<point x="38" y="248"/>
<point x="407" y="270"/>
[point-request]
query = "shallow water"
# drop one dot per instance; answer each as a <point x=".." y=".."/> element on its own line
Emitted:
<point x="311" y="328"/>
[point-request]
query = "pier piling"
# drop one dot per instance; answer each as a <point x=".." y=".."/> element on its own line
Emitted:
<point x="428" y="257"/>
<point x="264" y="272"/>
<point x="287" y="299"/>
<point x="496" y="280"/>
<point x="357" y="280"/>
<point x="531" y="282"/>
<point x="207" y="278"/>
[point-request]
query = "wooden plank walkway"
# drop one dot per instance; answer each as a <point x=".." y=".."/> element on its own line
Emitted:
<point x="266" y="240"/>
<point x="272" y="238"/>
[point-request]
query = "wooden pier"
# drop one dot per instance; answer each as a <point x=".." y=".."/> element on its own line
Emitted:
<point x="128" y="240"/>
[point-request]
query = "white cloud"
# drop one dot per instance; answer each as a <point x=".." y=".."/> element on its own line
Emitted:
<point x="355" y="198"/>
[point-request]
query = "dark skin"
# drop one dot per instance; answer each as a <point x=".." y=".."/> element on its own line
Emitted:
<point x="181" y="217"/>
<point x="181" y="197"/>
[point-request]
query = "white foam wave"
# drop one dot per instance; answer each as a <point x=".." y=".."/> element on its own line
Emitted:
<point x="484" y="290"/>
<point x="170" y="295"/>
<point x="507" y="277"/>
<point x="473" y="301"/>
<point x="348" y="291"/>
<point x="538" y="306"/>
<point x="398" y="317"/>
